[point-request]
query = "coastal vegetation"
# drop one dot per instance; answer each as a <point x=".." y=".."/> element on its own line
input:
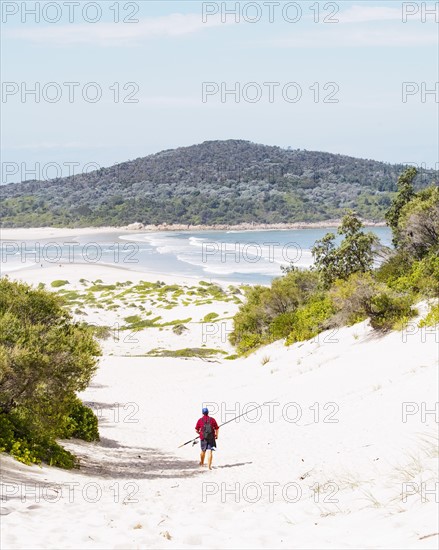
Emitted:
<point x="345" y="286"/>
<point x="49" y="339"/>
<point x="45" y="359"/>
<point x="216" y="182"/>
<point x="203" y="353"/>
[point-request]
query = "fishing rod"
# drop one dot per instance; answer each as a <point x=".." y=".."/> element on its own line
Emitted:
<point x="193" y="441"/>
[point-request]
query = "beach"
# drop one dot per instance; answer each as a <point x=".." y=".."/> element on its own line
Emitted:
<point x="219" y="279"/>
<point x="339" y="452"/>
<point x="11" y="233"/>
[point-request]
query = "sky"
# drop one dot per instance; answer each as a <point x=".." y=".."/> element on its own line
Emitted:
<point x="115" y="81"/>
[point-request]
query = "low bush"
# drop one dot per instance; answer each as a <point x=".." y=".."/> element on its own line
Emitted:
<point x="308" y="320"/>
<point x="81" y="423"/>
<point x="388" y="308"/>
<point x="351" y="299"/>
<point x="432" y="317"/>
<point x="29" y="450"/>
<point x="58" y="283"/>
<point x="179" y="329"/>
<point x="186" y="352"/>
<point x="281" y="326"/>
<point x="45" y="359"/>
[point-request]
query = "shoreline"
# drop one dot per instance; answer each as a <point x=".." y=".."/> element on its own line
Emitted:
<point x="8" y="233"/>
<point x="246" y="226"/>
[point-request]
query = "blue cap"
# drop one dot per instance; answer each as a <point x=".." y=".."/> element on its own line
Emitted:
<point x="205" y="410"/>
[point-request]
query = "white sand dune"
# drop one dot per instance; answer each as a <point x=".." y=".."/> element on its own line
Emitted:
<point x="331" y="465"/>
<point x="19" y="234"/>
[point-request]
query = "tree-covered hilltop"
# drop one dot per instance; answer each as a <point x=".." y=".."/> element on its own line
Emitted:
<point x="217" y="182"/>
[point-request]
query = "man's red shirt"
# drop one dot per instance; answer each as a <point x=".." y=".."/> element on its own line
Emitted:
<point x="202" y="421"/>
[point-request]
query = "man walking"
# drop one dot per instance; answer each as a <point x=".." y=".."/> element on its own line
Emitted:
<point x="207" y="428"/>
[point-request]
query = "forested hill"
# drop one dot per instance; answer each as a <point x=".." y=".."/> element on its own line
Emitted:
<point x="225" y="182"/>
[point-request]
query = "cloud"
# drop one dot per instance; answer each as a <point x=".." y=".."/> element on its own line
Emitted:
<point x="366" y="14"/>
<point x="345" y="37"/>
<point x="112" y="34"/>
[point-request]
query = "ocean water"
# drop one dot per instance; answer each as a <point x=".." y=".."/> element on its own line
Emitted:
<point x="234" y="256"/>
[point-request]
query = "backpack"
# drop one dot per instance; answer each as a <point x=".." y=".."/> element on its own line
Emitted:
<point x="207" y="430"/>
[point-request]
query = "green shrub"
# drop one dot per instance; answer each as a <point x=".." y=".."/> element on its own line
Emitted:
<point x="432" y="317"/>
<point x="351" y="299"/>
<point x="29" y="450"/>
<point x="55" y="455"/>
<point x="308" y="320"/>
<point x="394" y="267"/>
<point x="45" y="358"/>
<point x="81" y="423"/>
<point x="210" y="317"/>
<point x="388" y="309"/>
<point x="179" y="329"/>
<point x="251" y="318"/>
<point x="418" y="225"/>
<point x="100" y="287"/>
<point x="133" y="319"/>
<point x="58" y="283"/>
<point x="420" y="277"/>
<point x="100" y="332"/>
<point x="186" y="352"/>
<point x="355" y="254"/>
<point x="267" y="313"/>
<point x="281" y="326"/>
<point x="249" y="342"/>
<point x="138" y="324"/>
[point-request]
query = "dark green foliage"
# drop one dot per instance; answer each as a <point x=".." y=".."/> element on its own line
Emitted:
<point x="420" y="277"/>
<point x="45" y="358"/>
<point x="281" y="325"/>
<point x="403" y="196"/>
<point x="352" y="298"/>
<point x="362" y="296"/>
<point x="394" y="267"/>
<point x="309" y="319"/>
<point x="16" y="440"/>
<point x="354" y="255"/>
<point x="387" y="308"/>
<point x="267" y="314"/>
<point x="81" y="423"/>
<point x="415" y="263"/>
<point x="217" y="182"/>
<point x="58" y="283"/>
<point x="418" y="225"/>
<point x="432" y="317"/>
<point x="297" y="307"/>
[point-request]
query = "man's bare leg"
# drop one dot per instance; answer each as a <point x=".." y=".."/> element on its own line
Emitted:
<point x="202" y="455"/>
<point x="210" y="460"/>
